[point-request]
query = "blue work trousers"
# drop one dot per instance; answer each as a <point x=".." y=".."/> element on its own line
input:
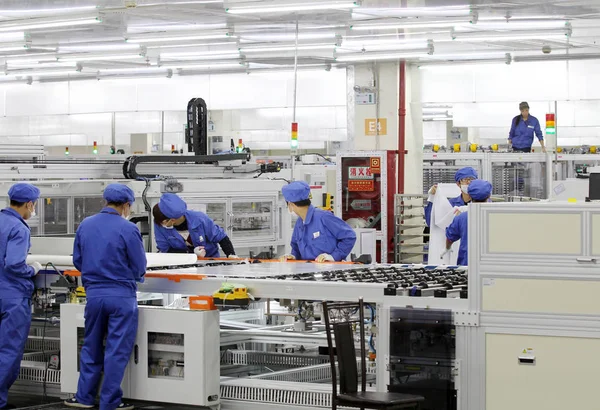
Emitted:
<point x="115" y="318"/>
<point x="15" y="320"/>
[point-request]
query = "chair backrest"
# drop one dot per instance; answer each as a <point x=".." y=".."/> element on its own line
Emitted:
<point x="346" y="357"/>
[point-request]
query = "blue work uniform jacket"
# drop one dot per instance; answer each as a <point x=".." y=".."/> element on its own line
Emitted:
<point x="203" y="232"/>
<point x="459" y="229"/>
<point x="109" y="253"/>
<point x="16" y="277"/>
<point x="322" y="232"/>
<point x="458" y="201"/>
<point x="521" y="134"/>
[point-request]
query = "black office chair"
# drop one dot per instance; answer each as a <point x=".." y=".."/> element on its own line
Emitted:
<point x="349" y="396"/>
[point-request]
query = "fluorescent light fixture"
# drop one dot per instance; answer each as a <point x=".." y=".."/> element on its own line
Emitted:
<point x="135" y="70"/>
<point x="513" y="25"/>
<point x="30" y="58"/>
<point x="5" y="48"/>
<point x="215" y="53"/>
<point x="407" y="25"/>
<point x="99" y="57"/>
<point x="38" y="23"/>
<point x="452" y="11"/>
<point x="156" y="38"/>
<point x="12" y="65"/>
<point x="61" y="10"/>
<point x="557" y="57"/>
<point x="207" y="66"/>
<point x="34" y="73"/>
<point x="179" y="2"/>
<point x="474" y="65"/>
<point x="293" y="7"/>
<point x="186" y="45"/>
<point x="368" y="46"/>
<point x="91" y="47"/>
<point x="510" y="35"/>
<point x="301" y="47"/>
<point x="147" y="28"/>
<point x="379" y="56"/>
<point x="230" y="56"/>
<point x="16" y="36"/>
<point x="276" y="37"/>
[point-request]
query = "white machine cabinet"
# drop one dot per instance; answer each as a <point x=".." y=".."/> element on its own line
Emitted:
<point x="175" y="357"/>
<point x="534" y="280"/>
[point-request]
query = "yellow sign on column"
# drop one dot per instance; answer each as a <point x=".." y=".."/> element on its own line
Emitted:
<point x="370" y="126"/>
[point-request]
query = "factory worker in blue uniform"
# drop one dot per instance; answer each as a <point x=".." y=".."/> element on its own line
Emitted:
<point x="522" y="129"/>
<point x="463" y="178"/>
<point x="480" y="191"/>
<point x="16" y="283"/>
<point x="109" y="253"/>
<point x="179" y="230"/>
<point x="318" y="235"/>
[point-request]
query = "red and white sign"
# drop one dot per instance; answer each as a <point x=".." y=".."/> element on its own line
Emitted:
<point x="360" y="173"/>
<point x="361" y="185"/>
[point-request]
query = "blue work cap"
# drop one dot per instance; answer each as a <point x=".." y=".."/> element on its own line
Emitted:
<point x="466" y="172"/>
<point x="172" y="206"/>
<point x="22" y="192"/>
<point x="480" y="190"/>
<point x="296" y="191"/>
<point x="119" y="194"/>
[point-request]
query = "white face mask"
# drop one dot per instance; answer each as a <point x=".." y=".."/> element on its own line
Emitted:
<point x="32" y="211"/>
<point x="464" y="188"/>
<point x="126" y="216"/>
<point x="290" y="211"/>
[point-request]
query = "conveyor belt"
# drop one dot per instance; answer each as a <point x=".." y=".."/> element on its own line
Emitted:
<point x="403" y="280"/>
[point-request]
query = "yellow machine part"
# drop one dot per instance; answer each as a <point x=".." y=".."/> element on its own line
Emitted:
<point x="435" y="148"/>
<point x="494" y="147"/>
<point x="473" y="147"/>
<point x="593" y="149"/>
<point x="456" y="147"/>
<point x="327" y="202"/>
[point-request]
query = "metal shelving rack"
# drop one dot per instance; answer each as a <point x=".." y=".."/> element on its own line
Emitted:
<point x="409" y="241"/>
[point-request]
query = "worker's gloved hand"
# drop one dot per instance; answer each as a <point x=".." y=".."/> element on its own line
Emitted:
<point x="431" y="193"/>
<point x="325" y="257"/>
<point x="232" y="256"/>
<point x="446" y="252"/>
<point x="287" y="257"/>
<point x="200" y="251"/>
<point x="36" y="267"/>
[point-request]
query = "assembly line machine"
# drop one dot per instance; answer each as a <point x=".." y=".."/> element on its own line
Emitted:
<point x="498" y="335"/>
<point x="489" y="337"/>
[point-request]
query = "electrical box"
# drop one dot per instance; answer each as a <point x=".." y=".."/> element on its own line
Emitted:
<point x="172" y="361"/>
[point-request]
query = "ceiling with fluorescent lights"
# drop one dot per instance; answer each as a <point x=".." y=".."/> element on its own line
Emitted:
<point x="56" y="40"/>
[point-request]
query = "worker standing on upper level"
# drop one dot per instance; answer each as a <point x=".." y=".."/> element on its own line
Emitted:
<point x="522" y="128"/>
<point x="16" y="283"/>
<point x="109" y="253"/>
<point x="180" y="230"/>
<point x="318" y="235"/>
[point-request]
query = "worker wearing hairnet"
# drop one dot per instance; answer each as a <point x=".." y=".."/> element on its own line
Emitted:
<point x="16" y="282"/>
<point x="180" y="230"/>
<point x="480" y="191"/>
<point x="109" y="253"/>
<point x="463" y="178"/>
<point x="318" y="235"/>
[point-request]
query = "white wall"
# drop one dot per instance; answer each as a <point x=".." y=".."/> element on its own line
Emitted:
<point x="80" y="112"/>
<point x="485" y="98"/>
